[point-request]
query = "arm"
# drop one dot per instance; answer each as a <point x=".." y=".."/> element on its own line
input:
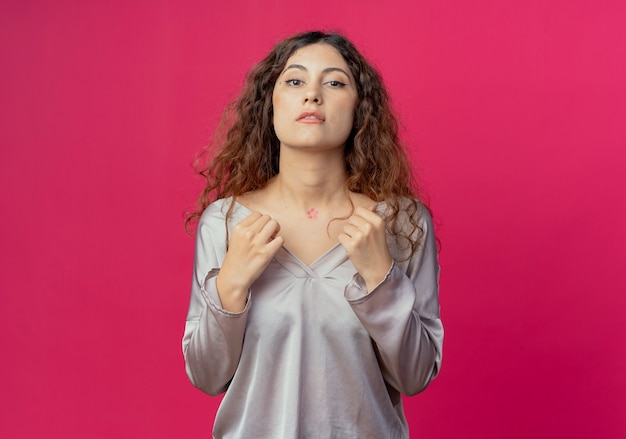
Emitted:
<point x="220" y="298"/>
<point x="213" y="336"/>
<point x="401" y="314"/>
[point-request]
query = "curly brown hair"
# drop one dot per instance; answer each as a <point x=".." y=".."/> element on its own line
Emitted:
<point x="245" y="152"/>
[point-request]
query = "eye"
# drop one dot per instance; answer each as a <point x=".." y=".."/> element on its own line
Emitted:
<point x="293" y="82"/>
<point x="336" y="84"/>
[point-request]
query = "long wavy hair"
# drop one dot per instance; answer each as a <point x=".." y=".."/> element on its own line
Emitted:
<point x="244" y="154"/>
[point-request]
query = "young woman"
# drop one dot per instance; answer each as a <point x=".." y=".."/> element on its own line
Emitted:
<point x="314" y="302"/>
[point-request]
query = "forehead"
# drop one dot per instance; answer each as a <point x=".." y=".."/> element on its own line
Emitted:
<point x="318" y="55"/>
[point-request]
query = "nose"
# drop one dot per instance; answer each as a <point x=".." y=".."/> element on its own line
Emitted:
<point x="313" y="95"/>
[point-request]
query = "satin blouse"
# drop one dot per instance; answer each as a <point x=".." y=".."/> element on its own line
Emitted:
<point x="313" y="355"/>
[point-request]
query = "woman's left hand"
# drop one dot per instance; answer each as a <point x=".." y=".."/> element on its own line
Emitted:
<point x="365" y="241"/>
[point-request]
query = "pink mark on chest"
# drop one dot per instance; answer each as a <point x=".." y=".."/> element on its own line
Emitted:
<point x="312" y="213"/>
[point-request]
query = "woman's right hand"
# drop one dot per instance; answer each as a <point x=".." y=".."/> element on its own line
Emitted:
<point x="253" y="244"/>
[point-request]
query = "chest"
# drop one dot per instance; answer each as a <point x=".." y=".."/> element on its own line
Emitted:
<point x="309" y="238"/>
<point x="294" y="301"/>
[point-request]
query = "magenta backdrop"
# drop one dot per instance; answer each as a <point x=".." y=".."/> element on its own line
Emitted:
<point x="515" y="114"/>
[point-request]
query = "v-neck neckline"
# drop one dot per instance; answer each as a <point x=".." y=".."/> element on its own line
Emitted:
<point x="323" y="265"/>
<point x="318" y="267"/>
<point x="326" y="262"/>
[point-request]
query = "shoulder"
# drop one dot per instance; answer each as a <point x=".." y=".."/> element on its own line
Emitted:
<point x="221" y="211"/>
<point x="409" y="225"/>
<point x="216" y="211"/>
<point x="216" y="222"/>
<point x="252" y="199"/>
<point x="405" y="211"/>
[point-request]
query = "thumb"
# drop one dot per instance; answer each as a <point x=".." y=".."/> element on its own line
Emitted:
<point x="374" y="208"/>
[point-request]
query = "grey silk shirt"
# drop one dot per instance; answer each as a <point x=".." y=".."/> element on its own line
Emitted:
<point x="313" y="355"/>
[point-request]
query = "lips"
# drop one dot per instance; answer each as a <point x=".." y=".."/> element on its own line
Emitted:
<point x="312" y="116"/>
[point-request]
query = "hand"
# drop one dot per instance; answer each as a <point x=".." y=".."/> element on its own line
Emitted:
<point x="253" y="244"/>
<point x="365" y="241"/>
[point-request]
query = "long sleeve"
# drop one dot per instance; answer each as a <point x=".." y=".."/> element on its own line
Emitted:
<point x="402" y="316"/>
<point x="213" y="337"/>
<point x="299" y="360"/>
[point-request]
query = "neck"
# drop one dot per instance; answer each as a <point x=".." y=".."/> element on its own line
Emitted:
<point x="311" y="180"/>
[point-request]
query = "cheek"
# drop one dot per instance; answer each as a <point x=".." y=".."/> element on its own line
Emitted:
<point x="279" y="106"/>
<point x="348" y="112"/>
<point x="278" y="116"/>
<point x="276" y="107"/>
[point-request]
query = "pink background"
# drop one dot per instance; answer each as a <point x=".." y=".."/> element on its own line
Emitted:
<point x="515" y="114"/>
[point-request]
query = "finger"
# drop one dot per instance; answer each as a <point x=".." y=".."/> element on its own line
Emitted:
<point x="346" y="241"/>
<point x="363" y="226"/>
<point x="247" y="221"/>
<point x="250" y="219"/>
<point x="275" y="244"/>
<point x="259" y="224"/>
<point x="250" y="226"/>
<point x="269" y="230"/>
<point x="352" y="231"/>
<point x="358" y="221"/>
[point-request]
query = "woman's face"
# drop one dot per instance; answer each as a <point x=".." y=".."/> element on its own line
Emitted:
<point x="314" y="99"/>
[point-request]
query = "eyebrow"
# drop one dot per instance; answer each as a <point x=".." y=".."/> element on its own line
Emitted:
<point x="326" y="70"/>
